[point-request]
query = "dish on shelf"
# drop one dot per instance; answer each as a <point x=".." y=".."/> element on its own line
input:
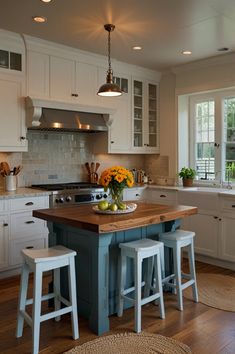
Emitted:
<point x="129" y="209"/>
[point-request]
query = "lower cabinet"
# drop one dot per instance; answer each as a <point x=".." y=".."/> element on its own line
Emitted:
<point x="19" y="229"/>
<point x="137" y="193"/>
<point x="206" y="228"/>
<point x="161" y="196"/>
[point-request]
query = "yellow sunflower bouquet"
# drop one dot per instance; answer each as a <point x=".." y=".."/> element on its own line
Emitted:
<point x="115" y="179"/>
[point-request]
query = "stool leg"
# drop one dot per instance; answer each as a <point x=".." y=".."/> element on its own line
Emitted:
<point x="56" y="287"/>
<point x="36" y="318"/>
<point x="138" y="276"/>
<point x="192" y="271"/>
<point x="22" y="299"/>
<point x="157" y="265"/>
<point x="73" y="298"/>
<point x="177" y="271"/>
<point x="148" y="276"/>
<point x="122" y="282"/>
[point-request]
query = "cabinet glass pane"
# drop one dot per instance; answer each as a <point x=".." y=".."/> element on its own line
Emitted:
<point x="15" y="61"/>
<point x="138" y="113"/>
<point x="4" y="59"/>
<point x="137" y="139"/>
<point x="152" y="114"/>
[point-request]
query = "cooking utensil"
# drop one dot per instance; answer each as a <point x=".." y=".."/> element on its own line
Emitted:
<point x="17" y="170"/>
<point x="88" y="168"/>
<point x="97" y="165"/>
<point x="6" y="168"/>
<point x="92" y="167"/>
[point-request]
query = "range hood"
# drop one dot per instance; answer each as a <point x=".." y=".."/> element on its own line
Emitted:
<point x="52" y="115"/>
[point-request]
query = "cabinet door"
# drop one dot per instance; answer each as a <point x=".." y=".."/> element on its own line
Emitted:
<point x="227" y="238"/>
<point x="12" y="118"/>
<point x="4" y="235"/>
<point x="38" y="74"/>
<point x="87" y="83"/>
<point x="138" y="113"/>
<point x="206" y="229"/>
<point x="152" y="117"/>
<point x="62" y="79"/>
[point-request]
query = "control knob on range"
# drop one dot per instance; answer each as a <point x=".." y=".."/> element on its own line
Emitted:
<point x="68" y="198"/>
<point x="99" y="196"/>
<point x="105" y="196"/>
<point x="59" y="200"/>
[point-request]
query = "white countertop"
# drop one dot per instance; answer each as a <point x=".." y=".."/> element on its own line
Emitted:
<point x="22" y="192"/>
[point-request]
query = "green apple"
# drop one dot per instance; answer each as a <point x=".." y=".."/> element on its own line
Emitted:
<point x="122" y="206"/>
<point x="113" y="207"/>
<point x="103" y="205"/>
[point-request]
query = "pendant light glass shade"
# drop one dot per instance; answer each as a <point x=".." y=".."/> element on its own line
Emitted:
<point x="109" y="89"/>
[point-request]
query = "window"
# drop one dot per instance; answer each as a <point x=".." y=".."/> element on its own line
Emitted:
<point x="212" y="135"/>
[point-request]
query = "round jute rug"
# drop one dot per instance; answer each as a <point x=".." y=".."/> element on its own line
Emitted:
<point x="131" y="343"/>
<point x="215" y="290"/>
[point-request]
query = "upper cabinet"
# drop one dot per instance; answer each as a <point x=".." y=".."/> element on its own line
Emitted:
<point x="145" y="124"/>
<point x="61" y="79"/>
<point x="12" y="91"/>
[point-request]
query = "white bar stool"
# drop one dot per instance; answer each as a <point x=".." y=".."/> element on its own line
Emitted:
<point x="39" y="261"/>
<point x="138" y="250"/>
<point x="177" y="240"/>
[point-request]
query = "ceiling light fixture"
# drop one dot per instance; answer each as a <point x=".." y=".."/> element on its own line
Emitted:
<point x="137" y="47"/>
<point x="109" y="89"/>
<point x="186" y="52"/>
<point x="46" y="0"/>
<point x="39" y="19"/>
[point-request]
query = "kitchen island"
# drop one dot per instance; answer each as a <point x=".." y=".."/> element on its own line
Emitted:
<point x="96" y="238"/>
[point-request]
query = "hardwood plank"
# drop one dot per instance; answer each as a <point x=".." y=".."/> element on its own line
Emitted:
<point x="206" y="330"/>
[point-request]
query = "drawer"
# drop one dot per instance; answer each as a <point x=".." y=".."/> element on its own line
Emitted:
<point x="202" y="200"/>
<point x="24" y="224"/>
<point x="133" y="194"/>
<point x="29" y="203"/>
<point x="15" y="257"/>
<point x="228" y="204"/>
<point x="162" y="196"/>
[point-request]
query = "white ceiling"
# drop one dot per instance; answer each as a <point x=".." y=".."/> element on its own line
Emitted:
<point x="162" y="27"/>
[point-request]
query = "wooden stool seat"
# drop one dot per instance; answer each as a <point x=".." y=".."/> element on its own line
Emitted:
<point x="39" y="261"/>
<point x="139" y="250"/>
<point x="176" y="240"/>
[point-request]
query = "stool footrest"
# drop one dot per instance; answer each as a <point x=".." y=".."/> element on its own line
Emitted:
<point x="187" y="284"/>
<point x="43" y="298"/>
<point x="186" y="276"/>
<point x="53" y="314"/>
<point x="130" y="290"/>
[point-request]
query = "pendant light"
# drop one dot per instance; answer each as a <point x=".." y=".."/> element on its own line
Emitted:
<point x="109" y="89"/>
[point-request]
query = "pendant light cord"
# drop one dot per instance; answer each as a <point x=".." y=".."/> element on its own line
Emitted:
<point x="109" y="51"/>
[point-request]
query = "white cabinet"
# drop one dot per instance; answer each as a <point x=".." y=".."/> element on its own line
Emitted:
<point x="19" y="229"/>
<point x="62" y="79"/>
<point x="87" y="83"/>
<point x="206" y="228"/>
<point x="38" y="74"/>
<point x="145" y="123"/>
<point x="206" y="223"/>
<point x="227" y="228"/>
<point x="134" y="193"/>
<point x="161" y="196"/>
<point x="12" y="115"/>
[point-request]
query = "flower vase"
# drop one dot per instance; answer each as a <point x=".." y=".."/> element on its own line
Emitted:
<point x="117" y="197"/>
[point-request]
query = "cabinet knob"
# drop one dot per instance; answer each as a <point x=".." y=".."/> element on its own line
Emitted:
<point x="112" y="142"/>
<point x="29" y="222"/>
<point x="146" y="144"/>
<point x="22" y="138"/>
<point x="29" y="203"/>
<point x="137" y="195"/>
<point x="74" y="94"/>
<point x="233" y="205"/>
<point x="5" y="224"/>
<point x="215" y="217"/>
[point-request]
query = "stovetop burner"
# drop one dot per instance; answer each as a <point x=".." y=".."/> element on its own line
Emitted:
<point x="64" y="186"/>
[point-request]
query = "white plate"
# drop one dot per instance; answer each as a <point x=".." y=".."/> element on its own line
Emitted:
<point x="129" y="209"/>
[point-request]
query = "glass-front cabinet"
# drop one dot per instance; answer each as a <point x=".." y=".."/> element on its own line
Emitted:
<point x="145" y="116"/>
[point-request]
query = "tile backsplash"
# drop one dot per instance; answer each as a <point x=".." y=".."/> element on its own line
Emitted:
<point x="55" y="157"/>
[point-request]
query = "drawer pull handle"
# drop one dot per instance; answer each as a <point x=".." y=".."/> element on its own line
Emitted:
<point x="5" y="224"/>
<point x="233" y="206"/>
<point x="29" y="247"/>
<point x="29" y="203"/>
<point x="137" y="195"/>
<point x="215" y="217"/>
<point x="29" y="222"/>
<point x="162" y="196"/>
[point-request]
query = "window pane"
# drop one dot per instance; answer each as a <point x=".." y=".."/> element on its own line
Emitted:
<point x="229" y="137"/>
<point x="205" y="137"/>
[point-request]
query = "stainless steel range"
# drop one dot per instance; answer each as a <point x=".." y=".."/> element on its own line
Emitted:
<point x="66" y="194"/>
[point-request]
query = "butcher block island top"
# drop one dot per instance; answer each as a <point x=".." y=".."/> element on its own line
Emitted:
<point x="84" y="217"/>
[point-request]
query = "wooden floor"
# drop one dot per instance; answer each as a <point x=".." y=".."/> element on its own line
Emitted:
<point x="206" y="330"/>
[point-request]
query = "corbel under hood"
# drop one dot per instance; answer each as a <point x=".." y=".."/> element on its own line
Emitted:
<point x="53" y="115"/>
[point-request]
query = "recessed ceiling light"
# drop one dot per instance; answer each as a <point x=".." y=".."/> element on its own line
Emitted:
<point x="46" y="0"/>
<point x="186" y="52"/>
<point x="39" y="19"/>
<point x="137" y="47"/>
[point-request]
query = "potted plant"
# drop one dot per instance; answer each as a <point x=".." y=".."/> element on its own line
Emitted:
<point x="187" y="174"/>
